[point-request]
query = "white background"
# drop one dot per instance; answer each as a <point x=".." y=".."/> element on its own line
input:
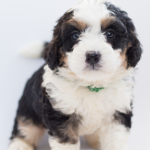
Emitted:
<point x="25" y="21"/>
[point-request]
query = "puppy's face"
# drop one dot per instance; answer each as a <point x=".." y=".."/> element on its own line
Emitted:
<point x="94" y="40"/>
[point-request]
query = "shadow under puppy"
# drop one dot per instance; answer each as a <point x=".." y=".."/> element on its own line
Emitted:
<point x="86" y="85"/>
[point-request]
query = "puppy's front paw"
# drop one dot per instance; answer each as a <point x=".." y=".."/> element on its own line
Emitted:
<point x="18" y="144"/>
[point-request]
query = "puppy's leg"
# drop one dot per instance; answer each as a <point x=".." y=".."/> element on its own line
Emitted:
<point x="55" y="144"/>
<point x="93" y="140"/>
<point x="114" y="135"/>
<point x="25" y="135"/>
<point x="28" y="126"/>
<point x="63" y="128"/>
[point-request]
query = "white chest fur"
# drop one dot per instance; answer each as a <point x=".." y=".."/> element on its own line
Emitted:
<point x="94" y="107"/>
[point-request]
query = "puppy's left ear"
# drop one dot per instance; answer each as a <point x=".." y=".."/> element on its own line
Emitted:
<point x="134" y="52"/>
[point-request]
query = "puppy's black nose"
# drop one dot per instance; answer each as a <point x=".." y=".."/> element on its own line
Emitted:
<point x="92" y="57"/>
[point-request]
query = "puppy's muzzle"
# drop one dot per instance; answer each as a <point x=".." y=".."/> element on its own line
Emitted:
<point x="92" y="57"/>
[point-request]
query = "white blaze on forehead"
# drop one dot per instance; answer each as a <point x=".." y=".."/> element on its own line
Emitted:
<point x="91" y="11"/>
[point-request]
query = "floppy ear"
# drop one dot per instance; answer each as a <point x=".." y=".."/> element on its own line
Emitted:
<point x="53" y="52"/>
<point x="134" y="52"/>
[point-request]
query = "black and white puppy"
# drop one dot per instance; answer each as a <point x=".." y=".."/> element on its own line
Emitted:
<point x="86" y="86"/>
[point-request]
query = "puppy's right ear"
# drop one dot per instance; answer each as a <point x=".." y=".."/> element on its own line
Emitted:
<point x="53" y="52"/>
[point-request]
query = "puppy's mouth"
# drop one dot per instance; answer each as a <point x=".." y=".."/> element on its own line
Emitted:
<point x="92" y="67"/>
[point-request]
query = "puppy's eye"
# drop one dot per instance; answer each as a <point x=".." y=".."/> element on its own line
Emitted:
<point x="75" y="36"/>
<point x="109" y="34"/>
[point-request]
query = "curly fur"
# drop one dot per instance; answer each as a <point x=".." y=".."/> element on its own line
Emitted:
<point x="57" y="98"/>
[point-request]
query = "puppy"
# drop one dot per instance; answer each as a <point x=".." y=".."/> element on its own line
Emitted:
<point x="85" y="88"/>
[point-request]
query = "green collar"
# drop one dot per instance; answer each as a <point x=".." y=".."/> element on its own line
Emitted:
<point x="94" y="89"/>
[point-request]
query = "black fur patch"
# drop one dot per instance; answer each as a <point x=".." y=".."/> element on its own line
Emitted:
<point x="29" y="107"/>
<point x="125" y="35"/>
<point x="61" y="126"/>
<point x="124" y="118"/>
<point x="121" y="37"/>
<point x="35" y="106"/>
<point x="53" y="52"/>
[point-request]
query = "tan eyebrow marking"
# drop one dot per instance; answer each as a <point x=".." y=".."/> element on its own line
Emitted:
<point x="80" y="25"/>
<point x="107" y="21"/>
